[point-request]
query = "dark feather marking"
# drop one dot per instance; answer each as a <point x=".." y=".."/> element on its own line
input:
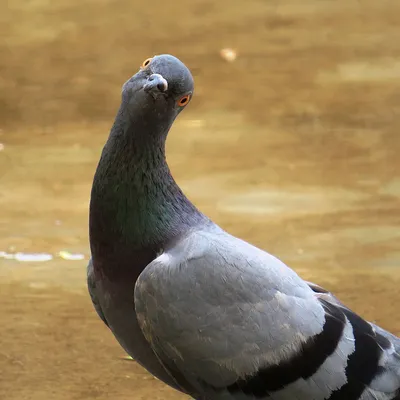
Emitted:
<point x="382" y="341"/>
<point x="362" y="366"/>
<point x="304" y="364"/>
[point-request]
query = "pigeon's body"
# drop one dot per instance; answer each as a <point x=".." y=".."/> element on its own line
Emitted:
<point x="205" y="312"/>
<point x="253" y="329"/>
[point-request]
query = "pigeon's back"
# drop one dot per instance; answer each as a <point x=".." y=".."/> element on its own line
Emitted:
<point x="236" y="323"/>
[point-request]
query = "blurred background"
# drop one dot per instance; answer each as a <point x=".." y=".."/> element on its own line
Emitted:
<point x="291" y="142"/>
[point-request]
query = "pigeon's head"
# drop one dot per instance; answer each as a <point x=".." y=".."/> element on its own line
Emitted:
<point x="159" y="91"/>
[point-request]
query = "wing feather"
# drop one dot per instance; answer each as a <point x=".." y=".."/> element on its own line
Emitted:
<point x="238" y="324"/>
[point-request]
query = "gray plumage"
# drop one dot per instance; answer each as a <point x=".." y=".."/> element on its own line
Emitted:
<point x="208" y="313"/>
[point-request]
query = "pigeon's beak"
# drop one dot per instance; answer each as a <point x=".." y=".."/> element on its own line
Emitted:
<point x="156" y="83"/>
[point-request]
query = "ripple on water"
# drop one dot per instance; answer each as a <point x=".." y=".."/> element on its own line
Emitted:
<point x="365" y="246"/>
<point x="291" y="202"/>
<point x="391" y="188"/>
<point x="384" y="70"/>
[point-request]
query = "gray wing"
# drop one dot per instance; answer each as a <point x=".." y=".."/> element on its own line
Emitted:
<point x="91" y="283"/>
<point x="324" y="294"/>
<point x="237" y="323"/>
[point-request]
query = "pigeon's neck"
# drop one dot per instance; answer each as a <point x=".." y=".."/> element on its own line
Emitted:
<point x="136" y="206"/>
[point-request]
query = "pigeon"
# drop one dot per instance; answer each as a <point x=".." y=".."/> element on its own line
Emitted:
<point x="205" y="312"/>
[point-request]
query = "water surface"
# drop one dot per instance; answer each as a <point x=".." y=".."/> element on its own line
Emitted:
<point x="294" y="146"/>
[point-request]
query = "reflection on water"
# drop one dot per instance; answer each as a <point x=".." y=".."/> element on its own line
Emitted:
<point x="293" y="146"/>
<point x="25" y="257"/>
<point x="40" y="257"/>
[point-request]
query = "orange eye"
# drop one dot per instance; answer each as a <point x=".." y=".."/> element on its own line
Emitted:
<point x="183" y="100"/>
<point x="146" y="62"/>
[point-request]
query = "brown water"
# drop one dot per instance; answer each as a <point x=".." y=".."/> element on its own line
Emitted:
<point x="294" y="146"/>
